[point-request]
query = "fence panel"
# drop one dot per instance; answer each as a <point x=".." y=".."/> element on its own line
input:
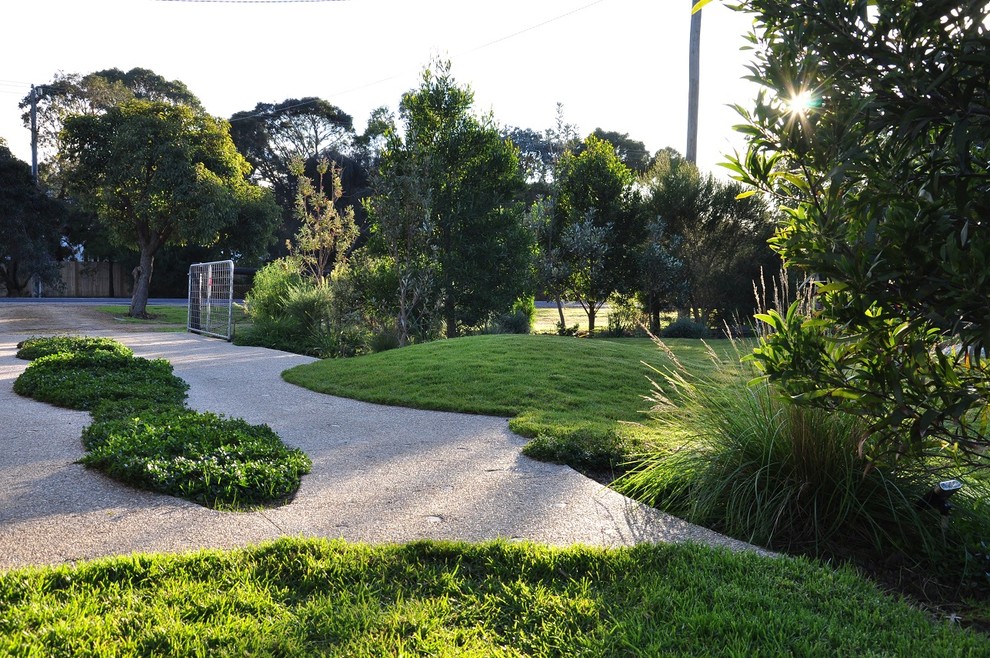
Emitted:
<point x="211" y="299"/>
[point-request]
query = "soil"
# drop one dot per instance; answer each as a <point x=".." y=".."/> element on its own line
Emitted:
<point x="59" y="317"/>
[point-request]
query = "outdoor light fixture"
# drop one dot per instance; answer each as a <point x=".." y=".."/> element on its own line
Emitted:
<point x="938" y="498"/>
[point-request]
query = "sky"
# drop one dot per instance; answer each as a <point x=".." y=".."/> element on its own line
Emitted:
<point x="619" y="65"/>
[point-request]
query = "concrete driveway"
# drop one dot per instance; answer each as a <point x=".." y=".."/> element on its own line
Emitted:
<point x="380" y="474"/>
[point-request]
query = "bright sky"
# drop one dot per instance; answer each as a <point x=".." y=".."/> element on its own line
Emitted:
<point x="616" y="64"/>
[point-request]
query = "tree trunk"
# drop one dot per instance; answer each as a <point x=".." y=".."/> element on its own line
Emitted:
<point x="592" y="312"/>
<point x="450" y="316"/>
<point x="560" y="311"/>
<point x="142" y="283"/>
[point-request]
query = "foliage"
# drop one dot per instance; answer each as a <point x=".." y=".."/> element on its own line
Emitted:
<point x="209" y="459"/>
<point x="32" y="223"/>
<point x="624" y="317"/>
<point x="705" y="246"/>
<point x="788" y="477"/>
<point x="871" y="132"/>
<point x="143" y="435"/>
<point x="593" y="226"/>
<point x="631" y="152"/>
<point x="92" y="94"/>
<point x="273" y="135"/>
<point x="686" y="328"/>
<point x="308" y="597"/>
<point x="325" y="234"/>
<point x="519" y="319"/>
<point x="291" y="312"/>
<point x="81" y="380"/>
<point x="35" y="348"/>
<point x="448" y="212"/>
<point x="156" y="173"/>
<point x="583" y="397"/>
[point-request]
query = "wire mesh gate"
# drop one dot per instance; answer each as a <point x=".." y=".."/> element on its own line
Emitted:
<point x="211" y="299"/>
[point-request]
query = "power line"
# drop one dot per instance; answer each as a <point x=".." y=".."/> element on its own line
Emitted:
<point x="251" y="2"/>
<point x="482" y="46"/>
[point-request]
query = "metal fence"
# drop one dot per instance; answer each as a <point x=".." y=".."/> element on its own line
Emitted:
<point x="211" y="299"/>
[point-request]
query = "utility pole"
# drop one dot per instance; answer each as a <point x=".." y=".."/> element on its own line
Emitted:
<point x="34" y="135"/>
<point x="694" y="83"/>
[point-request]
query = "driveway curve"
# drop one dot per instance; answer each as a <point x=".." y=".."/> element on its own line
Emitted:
<point x="380" y="474"/>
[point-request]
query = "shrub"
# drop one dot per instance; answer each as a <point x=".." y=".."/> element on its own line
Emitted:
<point x="82" y="380"/>
<point x="270" y="290"/>
<point x="143" y="434"/>
<point x="521" y="316"/>
<point x="625" y="318"/>
<point x="686" y="328"/>
<point x="34" y="348"/>
<point x="212" y="460"/>
<point x="383" y="341"/>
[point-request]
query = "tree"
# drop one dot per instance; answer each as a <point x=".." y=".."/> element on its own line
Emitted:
<point x="872" y="133"/>
<point x="29" y="241"/>
<point x="74" y="94"/>
<point x="157" y="173"/>
<point x="325" y="234"/>
<point x="632" y="153"/>
<point x="719" y="240"/>
<point x="273" y="135"/>
<point x="594" y="187"/>
<point x="468" y="189"/>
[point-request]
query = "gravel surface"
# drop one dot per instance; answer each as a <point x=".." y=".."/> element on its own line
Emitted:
<point x="380" y="474"/>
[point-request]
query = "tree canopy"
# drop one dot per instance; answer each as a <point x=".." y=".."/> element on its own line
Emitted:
<point x="157" y="173"/>
<point x="461" y="183"/>
<point x="32" y="225"/>
<point x="872" y="133"/>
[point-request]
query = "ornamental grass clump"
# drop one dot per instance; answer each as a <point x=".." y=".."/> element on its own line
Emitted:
<point x="145" y="436"/>
<point x="791" y="478"/>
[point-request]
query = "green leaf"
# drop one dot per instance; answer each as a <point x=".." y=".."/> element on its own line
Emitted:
<point x="745" y="195"/>
<point x="698" y="5"/>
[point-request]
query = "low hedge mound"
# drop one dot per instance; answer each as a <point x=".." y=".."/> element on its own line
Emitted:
<point x="35" y="348"/>
<point x="209" y="459"/>
<point x="82" y="380"/>
<point x="145" y="436"/>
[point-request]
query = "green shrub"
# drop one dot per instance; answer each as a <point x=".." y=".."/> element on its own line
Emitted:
<point x="520" y="318"/>
<point x="209" y="459"/>
<point x="625" y="318"/>
<point x="143" y="434"/>
<point x="270" y="289"/>
<point x="82" y="380"/>
<point x="35" y="348"/>
<point x="383" y="341"/>
<point x="686" y="328"/>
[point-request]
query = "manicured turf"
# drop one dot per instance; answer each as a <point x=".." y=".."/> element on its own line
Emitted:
<point x="581" y="398"/>
<point x="318" y="598"/>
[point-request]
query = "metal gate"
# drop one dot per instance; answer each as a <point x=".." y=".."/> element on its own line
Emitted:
<point x="211" y="299"/>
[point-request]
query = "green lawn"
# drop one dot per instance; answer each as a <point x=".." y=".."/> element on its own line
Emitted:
<point x="171" y="318"/>
<point x="581" y="398"/>
<point x="317" y="598"/>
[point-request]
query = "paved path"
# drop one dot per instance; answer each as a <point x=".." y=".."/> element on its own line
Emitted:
<point x="380" y="474"/>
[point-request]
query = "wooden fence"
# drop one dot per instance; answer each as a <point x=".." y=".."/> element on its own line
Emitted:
<point x="94" y="280"/>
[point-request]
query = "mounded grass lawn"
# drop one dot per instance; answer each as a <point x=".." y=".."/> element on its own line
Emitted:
<point x="318" y="598"/>
<point x="581" y="398"/>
